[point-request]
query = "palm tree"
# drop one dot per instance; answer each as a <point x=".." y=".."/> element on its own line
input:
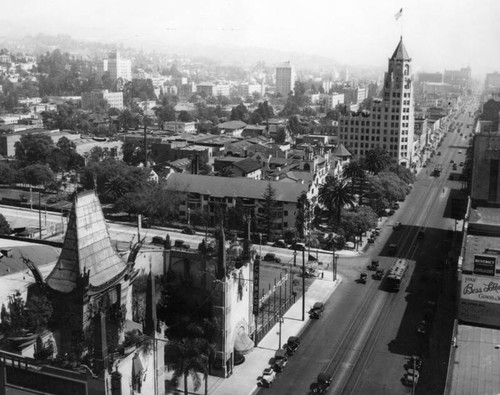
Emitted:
<point x="187" y="359"/>
<point x="355" y="172"/>
<point x="115" y="188"/>
<point x="335" y="194"/>
<point x="377" y="160"/>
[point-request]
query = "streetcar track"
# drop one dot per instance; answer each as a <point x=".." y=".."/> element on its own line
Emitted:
<point x="374" y="332"/>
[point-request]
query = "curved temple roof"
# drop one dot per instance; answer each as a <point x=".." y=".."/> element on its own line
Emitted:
<point x="87" y="248"/>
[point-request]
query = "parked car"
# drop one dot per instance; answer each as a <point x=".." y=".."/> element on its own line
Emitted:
<point x="317" y="310"/>
<point x="280" y="360"/>
<point x="180" y="244"/>
<point x="270" y="256"/>
<point x="188" y="231"/>
<point x="397" y="225"/>
<point x="411" y="377"/>
<point x="292" y="344"/>
<point x="280" y="243"/>
<point x="298" y="246"/>
<point x="362" y="278"/>
<point x="414" y="362"/>
<point x="371" y="240"/>
<point x="158" y="240"/>
<point x="395" y="206"/>
<point x="267" y="378"/>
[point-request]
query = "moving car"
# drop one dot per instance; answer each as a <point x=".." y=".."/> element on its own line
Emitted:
<point x="267" y="378"/>
<point x="396" y="225"/>
<point x="393" y="249"/>
<point x="272" y="257"/>
<point x="188" y="231"/>
<point x="317" y="310"/>
<point x="180" y="244"/>
<point x="421" y="234"/>
<point x="373" y="265"/>
<point x="422" y="327"/>
<point x="379" y="274"/>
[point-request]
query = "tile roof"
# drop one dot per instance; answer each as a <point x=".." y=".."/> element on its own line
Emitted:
<point x="247" y="165"/>
<point x="86" y="248"/>
<point x="232" y="125"/>
<point x="233" y="187"/>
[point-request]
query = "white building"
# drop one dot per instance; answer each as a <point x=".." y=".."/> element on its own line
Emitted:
<point x="390" y="123"/>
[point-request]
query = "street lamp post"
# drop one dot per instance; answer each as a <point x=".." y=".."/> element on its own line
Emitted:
<point x="335" y="258"/>
<point x="188" y="216"/>
<point x="279" y="337"/>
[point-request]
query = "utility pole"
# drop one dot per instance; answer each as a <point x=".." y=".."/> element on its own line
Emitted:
<point x="40" y="213"/>
<point x="303" y="284"/>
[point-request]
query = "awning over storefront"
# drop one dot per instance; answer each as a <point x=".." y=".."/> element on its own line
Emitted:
<point x="243" y="343"/>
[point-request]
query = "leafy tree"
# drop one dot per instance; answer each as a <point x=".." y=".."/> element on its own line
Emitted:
<point x="403" y="172"/>
<point x="38" y="175"/>
<point x="185" y="116"/>
<point x="359" y="220"/>
<point x="8" y="175"/>
<point x="281" y="136"/>
<point x="4" y="226"/>
<point x="34" y="148"/>
<point x="388" y="186"/>
<point x="133" y="152"/>
<point x="240" y="113"/>
<point x="377" y="160"/>
<point x="165" y="113"/>
<point x="334" y="194"/>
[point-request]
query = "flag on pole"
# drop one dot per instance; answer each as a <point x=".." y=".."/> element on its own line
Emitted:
<point x="399" y="14"/>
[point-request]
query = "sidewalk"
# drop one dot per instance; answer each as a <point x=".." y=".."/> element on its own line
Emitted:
<point x="244" y="377"/>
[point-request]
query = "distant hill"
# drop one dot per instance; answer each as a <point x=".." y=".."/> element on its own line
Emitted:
<point x="243" y="56"/>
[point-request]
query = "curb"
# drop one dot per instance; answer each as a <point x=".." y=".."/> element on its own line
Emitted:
<point x="307" y="323"/>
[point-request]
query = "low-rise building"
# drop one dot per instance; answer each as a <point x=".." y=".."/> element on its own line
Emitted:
<point x="91" y="99"/>
<point x="180" y="127"/>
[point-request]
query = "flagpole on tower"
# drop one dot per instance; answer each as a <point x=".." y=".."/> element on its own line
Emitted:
<point x="399" y="16"/>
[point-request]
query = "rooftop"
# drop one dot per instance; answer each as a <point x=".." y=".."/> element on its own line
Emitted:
<point x="86" y="249"/>
<point x="233" y="187"/>
<point x="475" y="362"/>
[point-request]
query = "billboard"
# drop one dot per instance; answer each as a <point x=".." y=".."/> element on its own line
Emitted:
<point x="480" y="300"/>
<point x="485" y="264"/>
<point x="481" y="289"/>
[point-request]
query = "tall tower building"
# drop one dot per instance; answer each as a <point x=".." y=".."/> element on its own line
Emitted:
<point x="119" y="67"/>
<point x="285" y="79"/>
<point x="390" y="124"/>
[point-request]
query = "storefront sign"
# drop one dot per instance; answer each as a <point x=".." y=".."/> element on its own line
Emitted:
<point x="485" y="265"/>
<point x="481" y="289"/>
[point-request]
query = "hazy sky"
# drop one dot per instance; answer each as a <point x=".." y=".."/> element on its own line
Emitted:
<point x="438" y="34"/>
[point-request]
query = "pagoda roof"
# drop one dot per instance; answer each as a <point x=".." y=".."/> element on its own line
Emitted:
<point x="400" y="53"/>
<point x="341" y="151"/>
<point x="86" y="249"/>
